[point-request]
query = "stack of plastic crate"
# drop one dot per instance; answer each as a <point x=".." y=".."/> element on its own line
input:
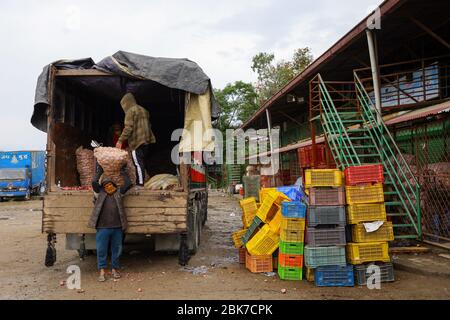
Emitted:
<point x="249" y="208"/>
<point x="325" y="234"/>
<point x="261" y="239"/>
<point x="366" y="213"/>
<point x="292" y="234"/>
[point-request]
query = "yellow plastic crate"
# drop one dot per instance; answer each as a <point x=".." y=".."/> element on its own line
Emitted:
<point x="288" y="235"/>
<point x="384" y="233"/>
<point x="275" y="223"/>
<point x="323" y="178"/>
<point x="237" y="238"/>
<point x="293" y="224"/>
<point x="271" y="205"/>
<point x="249" y="209"/>
<point x="358" y="253"/>
<point x="263" y="192"/>
<point x="366" y="212"/>
<point x="364" y="194"/>
<point x="264" y="242"/>
<point x="310" y="274"/>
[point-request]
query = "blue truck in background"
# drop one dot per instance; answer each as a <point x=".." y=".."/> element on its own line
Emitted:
<point x="22" y="174"/>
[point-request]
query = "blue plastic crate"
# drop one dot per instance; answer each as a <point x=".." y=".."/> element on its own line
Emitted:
<point x="334" y="276"/>
<point x="294" y="209"/>
<point x="295" y="193"/>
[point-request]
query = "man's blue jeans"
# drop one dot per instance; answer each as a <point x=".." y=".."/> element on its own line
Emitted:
<point x="103" y="239"/>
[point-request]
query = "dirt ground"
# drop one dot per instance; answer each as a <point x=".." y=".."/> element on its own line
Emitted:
<point x="213" y="273"/>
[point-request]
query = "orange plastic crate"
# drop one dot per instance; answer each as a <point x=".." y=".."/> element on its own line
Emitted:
<point x="290" y="260"/>
<point x="257" y="264"/>
<point x="242" y="255"/>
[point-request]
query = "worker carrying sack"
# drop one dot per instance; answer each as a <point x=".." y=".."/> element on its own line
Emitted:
<point x="111" y="160"/>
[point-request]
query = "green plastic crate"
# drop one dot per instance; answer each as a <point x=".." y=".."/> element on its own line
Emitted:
<point x="291" y="247"/>
<point x="290" y="273"/>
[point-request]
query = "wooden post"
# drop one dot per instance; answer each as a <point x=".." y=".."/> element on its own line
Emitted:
<point x="51" y="152"/>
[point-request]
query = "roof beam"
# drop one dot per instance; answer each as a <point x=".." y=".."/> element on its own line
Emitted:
<point x="430" y="32"/>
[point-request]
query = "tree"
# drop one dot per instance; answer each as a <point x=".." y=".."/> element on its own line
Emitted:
<point x="238" y="101"/>
<point x="274" y="76"/>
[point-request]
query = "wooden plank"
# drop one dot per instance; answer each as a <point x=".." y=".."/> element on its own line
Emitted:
<point x="409" y="250"/>
<point x="148" y="228"/>
<point x="131" y="212"/>
<point x="151" y="200"/>
<point x="82" y="73"/>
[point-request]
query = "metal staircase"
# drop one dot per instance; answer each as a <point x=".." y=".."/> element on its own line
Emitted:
<point x="357" y="135"/>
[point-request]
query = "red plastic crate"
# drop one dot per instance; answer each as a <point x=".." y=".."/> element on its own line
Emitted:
<point x="290" y="260"/>
<point x="364" y="174"/>
<point x="305" y="156"/>
<point x="242" y="255"/>
<point x="327" y="196"/>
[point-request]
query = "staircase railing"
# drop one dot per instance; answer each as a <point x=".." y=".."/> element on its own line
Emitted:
<point x="334" y="126"/>
<point x="398" y="170"/>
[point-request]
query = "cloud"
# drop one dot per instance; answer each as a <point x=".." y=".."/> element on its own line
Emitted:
<point x="221" y="36"/>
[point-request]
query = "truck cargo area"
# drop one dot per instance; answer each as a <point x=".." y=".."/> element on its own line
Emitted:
<point x="86" y="107"/>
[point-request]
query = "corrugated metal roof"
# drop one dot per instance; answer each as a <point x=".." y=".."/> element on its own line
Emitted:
<point x="420" y="113"/>
<point x="390" y="119"/>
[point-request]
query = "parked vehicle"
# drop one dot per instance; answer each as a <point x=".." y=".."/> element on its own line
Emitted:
<point x="78" y="101"/>
<point x="22" y="174"/>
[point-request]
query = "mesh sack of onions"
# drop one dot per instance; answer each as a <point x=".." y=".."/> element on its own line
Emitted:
<point x="85" y="166"/>
<point x="111" y="160"/>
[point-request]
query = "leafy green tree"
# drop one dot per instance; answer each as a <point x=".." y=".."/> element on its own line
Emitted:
<point x="272" y="76"/>
<point x="238" y="102"/>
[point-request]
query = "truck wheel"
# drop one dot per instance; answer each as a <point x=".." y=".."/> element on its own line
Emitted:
<point x="50" y="254"/>
<point x="194" y="226"/>
<point x="205" y="209"/>
<point x="183" y="253"/>
<point x="28" y="196"/>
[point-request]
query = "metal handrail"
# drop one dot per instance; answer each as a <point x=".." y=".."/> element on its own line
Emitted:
<point x="415" y="191"/>
<point x="342" y="127"/>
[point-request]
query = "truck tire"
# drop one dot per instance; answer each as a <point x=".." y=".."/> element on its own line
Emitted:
<point x="27" y="196"/>
<point x="183" y="253"/>
<point x="194" y="225"/>
<point x="205" y="209"/>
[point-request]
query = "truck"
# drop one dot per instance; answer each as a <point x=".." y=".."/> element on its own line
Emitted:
<point x="78" y="101"/>
<point x="22" y="174"/>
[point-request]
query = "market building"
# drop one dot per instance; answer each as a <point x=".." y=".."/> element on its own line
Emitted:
<point x="379" y="95"/>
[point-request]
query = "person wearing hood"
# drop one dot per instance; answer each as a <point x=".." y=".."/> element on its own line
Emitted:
<point x="137" y="131"/>
<point x="109" y="219"/>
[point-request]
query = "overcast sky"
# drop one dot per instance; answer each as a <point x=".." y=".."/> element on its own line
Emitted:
<point x="221" y="36"/>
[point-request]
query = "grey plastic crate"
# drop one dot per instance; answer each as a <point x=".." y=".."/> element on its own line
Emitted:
<point x="326" y="215"/>
<point x="324" y="256"/>
<point x="318" y="237"/>
<point x="386" y="272"/>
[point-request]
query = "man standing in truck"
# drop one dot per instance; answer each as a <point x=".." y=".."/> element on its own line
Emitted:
<point x="138" y="133"/>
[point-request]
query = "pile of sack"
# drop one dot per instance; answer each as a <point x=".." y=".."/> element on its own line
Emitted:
<point x="85" y="166"/>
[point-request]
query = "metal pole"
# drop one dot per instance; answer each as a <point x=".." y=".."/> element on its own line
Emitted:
<point x="269" y="131"/>
<point x="375" y="74"/>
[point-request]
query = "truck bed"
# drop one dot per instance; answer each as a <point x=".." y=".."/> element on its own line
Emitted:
<point x="148" y="212"/>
